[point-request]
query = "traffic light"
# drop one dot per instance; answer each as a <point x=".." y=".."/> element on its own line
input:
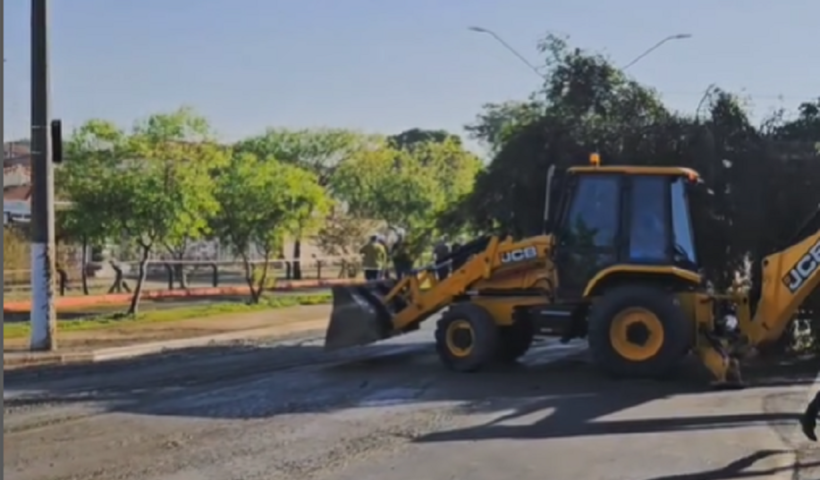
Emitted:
<point x="57" y="141"/>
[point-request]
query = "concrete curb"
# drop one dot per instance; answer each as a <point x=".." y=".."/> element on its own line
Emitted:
<point x="28" y="359"/>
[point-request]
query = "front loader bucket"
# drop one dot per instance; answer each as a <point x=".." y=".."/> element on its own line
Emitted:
<point x="359" y="317"/>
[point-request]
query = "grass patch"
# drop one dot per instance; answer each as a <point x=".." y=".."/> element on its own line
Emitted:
<point x="23" y="329"/>
<point x="16" y="295"/>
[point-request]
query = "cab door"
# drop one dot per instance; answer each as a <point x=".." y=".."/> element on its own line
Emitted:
<point x="648" y="217"/>
<point x="589" y="231"/>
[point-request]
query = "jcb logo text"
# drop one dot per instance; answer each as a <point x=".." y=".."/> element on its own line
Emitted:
<point x="803" y="269"/>
<point x="519" y="255"/>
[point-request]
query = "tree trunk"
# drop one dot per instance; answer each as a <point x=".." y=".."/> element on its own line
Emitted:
<point x="177" y="252"/>
<point x="263" y="278"/>
<point x="180" y="273"/>
<point x="84" y="267"/>
<point x="133" y="309"/>
<point x="297" y="255"/>
<point x="249" y="271"/>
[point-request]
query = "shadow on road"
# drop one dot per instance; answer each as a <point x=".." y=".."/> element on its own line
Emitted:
<point x="572" y="400"/>
<point x="740" y="468"/>
<point x="246" y="382"/>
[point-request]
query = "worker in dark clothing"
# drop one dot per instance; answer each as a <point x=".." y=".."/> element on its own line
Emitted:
<point x="809" y="419"/>
<point x="385" y="270"/>
<point x="458" y="260"/>
<point x="402" y="261"/>
<point x="440" y="251"/>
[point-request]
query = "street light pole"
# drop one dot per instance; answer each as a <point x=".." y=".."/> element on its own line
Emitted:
<point x="43" y="315"/>
<point x="508" y="47"/>
<point x="680" y="36"/>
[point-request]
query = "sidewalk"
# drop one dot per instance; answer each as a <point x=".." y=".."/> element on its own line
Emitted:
<point x="142" y="339"/>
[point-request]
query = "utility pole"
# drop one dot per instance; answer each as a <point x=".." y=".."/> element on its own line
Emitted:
<point x="43" y="249"/>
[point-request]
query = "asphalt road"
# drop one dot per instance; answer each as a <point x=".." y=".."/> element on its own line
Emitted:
<point x="286" y="411"/>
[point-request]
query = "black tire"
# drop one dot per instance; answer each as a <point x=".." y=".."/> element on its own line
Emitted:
<point x="677" y="331"/>
<point x="483" y="334"/>
<point x="514" y="341"/>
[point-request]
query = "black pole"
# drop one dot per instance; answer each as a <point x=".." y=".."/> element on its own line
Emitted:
<point x="43" y="315"/>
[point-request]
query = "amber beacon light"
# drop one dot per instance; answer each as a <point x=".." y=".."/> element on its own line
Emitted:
<point x="595" y="159"/>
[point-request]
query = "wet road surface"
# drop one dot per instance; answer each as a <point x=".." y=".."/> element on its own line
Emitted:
<point x="287" y="411"/>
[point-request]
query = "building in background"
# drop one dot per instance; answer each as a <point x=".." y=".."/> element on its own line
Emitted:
<point x="16" y="182"/>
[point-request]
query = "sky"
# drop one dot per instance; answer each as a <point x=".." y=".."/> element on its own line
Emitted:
<point x="385" y="66"/>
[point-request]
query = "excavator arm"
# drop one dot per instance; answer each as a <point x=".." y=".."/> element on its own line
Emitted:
<point x="789" y="277"/>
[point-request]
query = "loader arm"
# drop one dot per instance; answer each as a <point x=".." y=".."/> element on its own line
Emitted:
<point x="379" y="310"/>
<point x="500" y="260"/>
<point x="788" y="278"/>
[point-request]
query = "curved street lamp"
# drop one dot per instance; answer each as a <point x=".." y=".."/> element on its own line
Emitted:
<point x="679" y="36"/>
<point x="508" y="47"/>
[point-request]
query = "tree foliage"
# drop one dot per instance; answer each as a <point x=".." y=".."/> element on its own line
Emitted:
<point x="16" y="252"/>
<point x="407" y="188"/>
<point x="415" y="136"/>
<point x="261" y="201"/>
<point x="152" y="184"/>
<point x="316" y="150"/>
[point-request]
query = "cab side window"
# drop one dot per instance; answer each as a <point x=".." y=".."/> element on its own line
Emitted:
<point x="649" y="235"/>
<point x="592" y="220"/>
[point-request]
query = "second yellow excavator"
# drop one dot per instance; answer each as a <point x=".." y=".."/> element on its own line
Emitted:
<point x="617" y="266"/>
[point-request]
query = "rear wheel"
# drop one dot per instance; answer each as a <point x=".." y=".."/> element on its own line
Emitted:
<point x="638" y="331"/>
<point x="466" y="337"/>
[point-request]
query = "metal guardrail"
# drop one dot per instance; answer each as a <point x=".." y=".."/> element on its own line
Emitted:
<point x="168" y="272"/>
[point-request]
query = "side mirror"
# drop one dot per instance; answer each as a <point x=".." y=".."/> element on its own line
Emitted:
<point x="57" y="141"/>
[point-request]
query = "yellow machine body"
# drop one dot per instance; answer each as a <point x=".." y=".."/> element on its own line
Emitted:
<point x="639" y="318"/>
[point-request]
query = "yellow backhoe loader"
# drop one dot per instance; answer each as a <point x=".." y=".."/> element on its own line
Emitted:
<point x="617" y="266"/>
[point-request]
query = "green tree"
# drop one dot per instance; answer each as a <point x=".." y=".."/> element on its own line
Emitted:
<point x="498" y="122"/>
<point x="81" y="226"/>
<point x="453" y="168"/>
<point x="414" y="136"/>
<point x="153" y="184"/>
<point x="261" y="201"/>
<point x="342" y="235"/>
<point x="88" y="180"/>
<point x="317" y="150"/>
<point x="407" y="188"/>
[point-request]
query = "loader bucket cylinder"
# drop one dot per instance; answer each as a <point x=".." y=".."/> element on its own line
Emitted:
<point x="359" y="317"/>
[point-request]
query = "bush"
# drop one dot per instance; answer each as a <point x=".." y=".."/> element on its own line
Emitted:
<point x="16" y="255"/>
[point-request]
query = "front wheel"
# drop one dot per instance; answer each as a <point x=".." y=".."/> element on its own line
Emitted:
<point x="466" y="337"/>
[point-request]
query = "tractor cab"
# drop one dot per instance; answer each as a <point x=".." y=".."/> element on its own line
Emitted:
<point x="616" y="221"/>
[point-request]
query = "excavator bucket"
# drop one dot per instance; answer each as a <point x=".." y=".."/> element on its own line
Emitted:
<point x="359" y="317"/>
